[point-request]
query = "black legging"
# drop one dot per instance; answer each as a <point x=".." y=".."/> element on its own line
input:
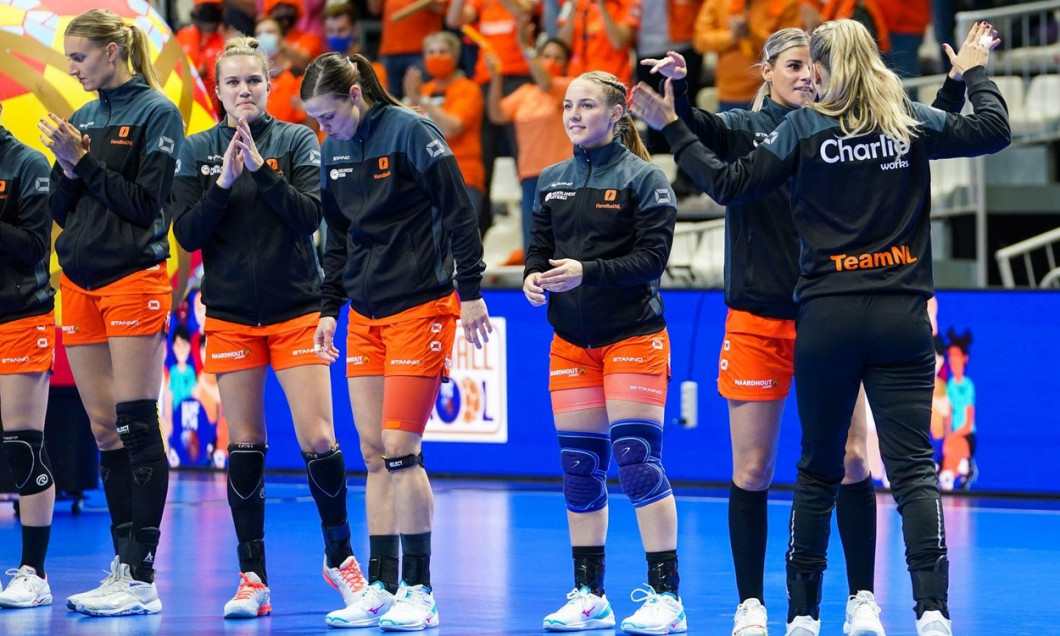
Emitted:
<point x="883" y="341"/>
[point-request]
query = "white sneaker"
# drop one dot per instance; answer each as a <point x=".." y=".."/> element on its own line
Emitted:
<point x="125" y="597"/>
<point x="413" y="609"/>
<point x="251" y="599"/>
<point x="25" y="590"/>
<point x="347" y="579"/>
<point x="863" y="616"/>
<point x="373" y="602"/>
<point x="933" y="623"/>
<point x="750" y="619"/>
<point x="803" y="626"/>
<point x="584" y="610"/>
<point x="105" y="584"/>
<point x="660" y="613"/>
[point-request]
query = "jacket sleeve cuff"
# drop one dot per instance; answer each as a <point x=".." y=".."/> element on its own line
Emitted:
<point x="469" y="289"/>
<point x="591" y="272"/>
<point x="678" y="136"/>
<point x="218" y="196"/>
<point x="265" y="177"/>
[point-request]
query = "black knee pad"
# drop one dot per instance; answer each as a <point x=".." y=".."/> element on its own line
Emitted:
<point x="246" y="475"/>
<point x="138" y="429"/>
<point x="327" y="473"/>
<point x="28" y="460"/>
<point x="394" y="464"/>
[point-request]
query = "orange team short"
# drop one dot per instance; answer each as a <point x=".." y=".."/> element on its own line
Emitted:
<point x="27" y="345"/>
<point x="417" y="341"/>
<point x="645" y="358"/>
<point x="757" y="358"/>
<point x="234" y="347"/>
<point x="137" y="305"/>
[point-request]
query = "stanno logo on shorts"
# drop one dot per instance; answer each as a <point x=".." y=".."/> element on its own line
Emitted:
<point x="42" y="343"/>
<point x="638" y="360"/>
<point x="18" y="360"/>
<point x="404" y="363"/>
<point x="154" y="304"/>
<point x="302" y="352"/>
<point x="436" y="346"/>
<point x="436" y="327"/>
<point x="657" y="344"/>
<point x="124" y="323"/>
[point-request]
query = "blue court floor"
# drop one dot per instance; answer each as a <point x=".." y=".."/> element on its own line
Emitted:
<point x="501" y="562"/>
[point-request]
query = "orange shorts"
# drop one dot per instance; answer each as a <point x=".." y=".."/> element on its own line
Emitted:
<point x="137" y="305"/>
<point x="757" y="358"/>
<point x="27" y="345"/>
<point x="417" y="341"/>
<point x="574" y="367"/>
<point x="234" y="347"/>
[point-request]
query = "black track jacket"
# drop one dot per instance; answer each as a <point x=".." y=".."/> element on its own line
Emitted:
<point x="861" y="205"/>
<point x="615" y="213"/>
<point x="25" y="231"/>
<point x="112" y="216"/>
<point x="398" y="217"/>
<point x="761" y="246"/>
<point x="256" y="238"/>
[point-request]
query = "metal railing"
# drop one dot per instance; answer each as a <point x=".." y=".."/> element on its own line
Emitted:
<point x="1024" y="251"/>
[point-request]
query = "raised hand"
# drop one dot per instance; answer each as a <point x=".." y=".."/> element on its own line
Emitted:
<point x="672" y="66"/>
<point x="975" y="50"/>
<point x="653" y="109"/>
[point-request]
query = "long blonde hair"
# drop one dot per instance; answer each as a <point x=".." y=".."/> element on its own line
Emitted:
<point x="101" y="27"/>
<point x="615" y="93"/>
<point x="776" y="44"/>
<point x="862" y="93"/>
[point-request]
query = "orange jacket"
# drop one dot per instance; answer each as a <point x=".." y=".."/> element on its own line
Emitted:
<point x="908" y="17"/>
<point x="463" y="99"/>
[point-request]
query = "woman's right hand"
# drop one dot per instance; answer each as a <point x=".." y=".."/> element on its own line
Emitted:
<point x="975" y="51"/>
<point x="232" y="164"/>
<point x="672" y="66"/>
<point x="324" y="340"/>
<point x="653" y="109"/>
<point x="533" y="291"/>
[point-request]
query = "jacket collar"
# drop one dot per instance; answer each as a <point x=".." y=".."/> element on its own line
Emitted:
<point x="371" y="120"/>
<point x="257" y="127"/>
<point x="126" y="93"/>
<point x="601" y="155"/>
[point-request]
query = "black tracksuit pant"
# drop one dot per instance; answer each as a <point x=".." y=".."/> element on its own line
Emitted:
<point x="883" y="341"/>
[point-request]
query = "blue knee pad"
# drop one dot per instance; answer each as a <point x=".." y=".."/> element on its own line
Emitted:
<point x="585" y="458"/>
<point x="638" y="452"/>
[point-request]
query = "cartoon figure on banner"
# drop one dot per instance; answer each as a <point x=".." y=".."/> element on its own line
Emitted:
<point x="447" y="406"/>
<point x="193" y="421"/>
<point x="958" y="449"/>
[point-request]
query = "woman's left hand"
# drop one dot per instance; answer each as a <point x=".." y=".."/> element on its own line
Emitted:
<point x="476" y="322"/>
<point x="655" y="110"/>
<point x="565" y="275"/>
<point x="245" y="142"/>
<point x="672" y="66"/>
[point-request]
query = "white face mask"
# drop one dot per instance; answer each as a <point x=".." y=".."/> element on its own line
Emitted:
<point x="269" y="43"/>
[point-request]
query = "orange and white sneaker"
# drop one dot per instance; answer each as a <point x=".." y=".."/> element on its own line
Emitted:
<point x="251" y="599"/>
<point x="347" y="579"/>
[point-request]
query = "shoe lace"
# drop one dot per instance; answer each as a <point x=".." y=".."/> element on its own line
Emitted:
<point x="247" y="588"/>
<point x="646" y="594"/>
<point x="351" y="575"/>
<point x="864" y="606"/>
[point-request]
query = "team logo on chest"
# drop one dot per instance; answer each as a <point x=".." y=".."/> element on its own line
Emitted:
<point x="609" y="201"/>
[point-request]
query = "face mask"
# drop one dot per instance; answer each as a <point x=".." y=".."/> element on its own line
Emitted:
<point x="439" y="66"/>
<point x="554" y="68"/>
<point x="269" y="43"/>
<point x="339" y="43"/>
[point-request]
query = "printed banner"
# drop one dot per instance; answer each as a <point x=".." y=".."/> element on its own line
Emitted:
<point x="473" y="405"/>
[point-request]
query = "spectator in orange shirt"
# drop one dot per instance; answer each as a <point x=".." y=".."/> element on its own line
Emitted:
<point x="499" y="22"/>
<point x="736" y="30"/>
<point x="203" y="40"/>
<point x="297" y="46"/>
<point x="907" y="20"/>
<point x="535" y="110"/>
<point x="401" y="41"/>
<point x="600" y="34"/>
<point x="455" y="105"/>
<point x="284" y="103"/>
